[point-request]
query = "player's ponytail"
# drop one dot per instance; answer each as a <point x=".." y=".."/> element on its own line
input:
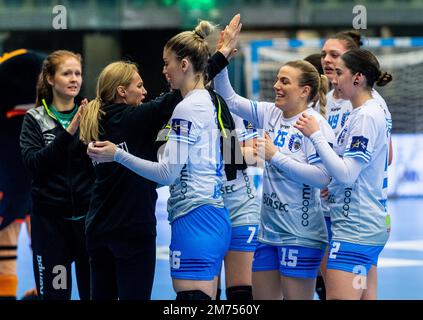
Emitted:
<point x="323" y="90"/>
<point x="384" y="78"/>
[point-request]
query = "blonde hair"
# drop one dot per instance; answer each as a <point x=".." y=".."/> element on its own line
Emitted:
<point x="192" y="45"/>
<point x="49" y="69"/>
<point x="319" y="84"/>
<point x="115" y="74"/>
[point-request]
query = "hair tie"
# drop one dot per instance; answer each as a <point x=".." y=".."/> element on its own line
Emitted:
<point x="198" y="34"/>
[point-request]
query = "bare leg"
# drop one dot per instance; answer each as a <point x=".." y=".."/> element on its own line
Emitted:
<point x="342" y="285"/>
<point x="371" y="292"/>
<point x="267" y="285"/>
<point x="238" y="266"/>
<point x="298" y="288"/>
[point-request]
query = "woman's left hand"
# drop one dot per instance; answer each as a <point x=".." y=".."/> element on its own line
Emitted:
<point x="74" y="125"/>
<point x="307" y="125"/>
<point x="101" y="151"/>
<point x="266" y="149"/>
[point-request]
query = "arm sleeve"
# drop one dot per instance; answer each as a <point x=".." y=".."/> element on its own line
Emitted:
<point x="154" y="114"/>
<point x="163" y="172"/>
<point x="246" y="109"/>
<point x="312" y="174"/>
<point x="345" y="171"/>
<point x="216" y="63"/>
<point x="37" y="157"/>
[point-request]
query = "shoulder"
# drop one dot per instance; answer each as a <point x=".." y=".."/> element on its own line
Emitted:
<point x="36" y="112"/>
<point x="371" y="111"/>
<point x="198" y="101"/>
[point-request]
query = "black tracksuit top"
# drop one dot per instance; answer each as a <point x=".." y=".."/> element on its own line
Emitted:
<point x="123" y="203"/>
<point x="62" y="173"/>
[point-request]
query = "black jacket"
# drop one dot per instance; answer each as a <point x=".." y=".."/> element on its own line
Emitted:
<point x="62" y="173"/>
<point x="123" y="203"/>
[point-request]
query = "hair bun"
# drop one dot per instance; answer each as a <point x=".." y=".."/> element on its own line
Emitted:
<point x="384" y="78"/>
<point x="203" y="29"/>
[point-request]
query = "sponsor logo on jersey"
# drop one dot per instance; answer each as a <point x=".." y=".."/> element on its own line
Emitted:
<point x="181" y="127"/>
<point x="295" y="142"/>
<point x="341" y="137"/>
<point x="48" y="138"/>
<point x="248" y="125"/>
<point x="344" y="118"/>
<point x="359" y="144"/>
<point x="273" y="202"/>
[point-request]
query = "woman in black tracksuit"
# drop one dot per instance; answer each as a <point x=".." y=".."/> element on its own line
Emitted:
<point x="62" y="177"/>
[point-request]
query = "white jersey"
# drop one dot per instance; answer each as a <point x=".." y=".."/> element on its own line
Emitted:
<point x="358" y="211"/>
<point x="290" y="210"/>
<point x="337" y="112"/>
<point x="240" y="195"/>
<point x="194" y="121"/>
<point x="290" y="213"/>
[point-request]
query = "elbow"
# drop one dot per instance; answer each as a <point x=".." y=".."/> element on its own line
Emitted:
<point x="168" y="177"/>
<point x="167" y="181"/>
<point x="323" y="183"/>
<point x="346" y="181"/>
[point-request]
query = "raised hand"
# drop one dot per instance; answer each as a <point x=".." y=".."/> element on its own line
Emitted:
<point x="101" y="151"/>
<point x="74" y="125"/>
<point x="229" y="37"/>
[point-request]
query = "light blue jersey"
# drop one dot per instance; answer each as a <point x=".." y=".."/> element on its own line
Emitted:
<point x="194" y="122"/>
<point x="290" y="211"/>
<point x="358" y="211"/>
<point x="337" y="112"/>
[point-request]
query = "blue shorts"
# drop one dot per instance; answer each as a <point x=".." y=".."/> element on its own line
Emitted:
<point x="199" y="243"/>
<point x="329" y="227"/>
<point x="291" y="261"/>
<point x="351" y="257"/>
<point x="244" y="238"/>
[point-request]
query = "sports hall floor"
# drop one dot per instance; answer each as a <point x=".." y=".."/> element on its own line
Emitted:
<point x="400" y="264"/>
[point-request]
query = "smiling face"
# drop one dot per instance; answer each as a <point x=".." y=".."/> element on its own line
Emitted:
<point x="344" y="81"/>
<point x="172" y="69"/>
<point x="67" y="79"/>
<point x="330" y="55"/>
<point x="135" y="93"/>
<point x="288" y="93"/>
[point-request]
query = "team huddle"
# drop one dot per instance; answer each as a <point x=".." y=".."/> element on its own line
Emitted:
<point x="95" y="167"/>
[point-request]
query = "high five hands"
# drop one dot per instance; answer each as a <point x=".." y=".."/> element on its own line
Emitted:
<point x="229" y="37"/>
